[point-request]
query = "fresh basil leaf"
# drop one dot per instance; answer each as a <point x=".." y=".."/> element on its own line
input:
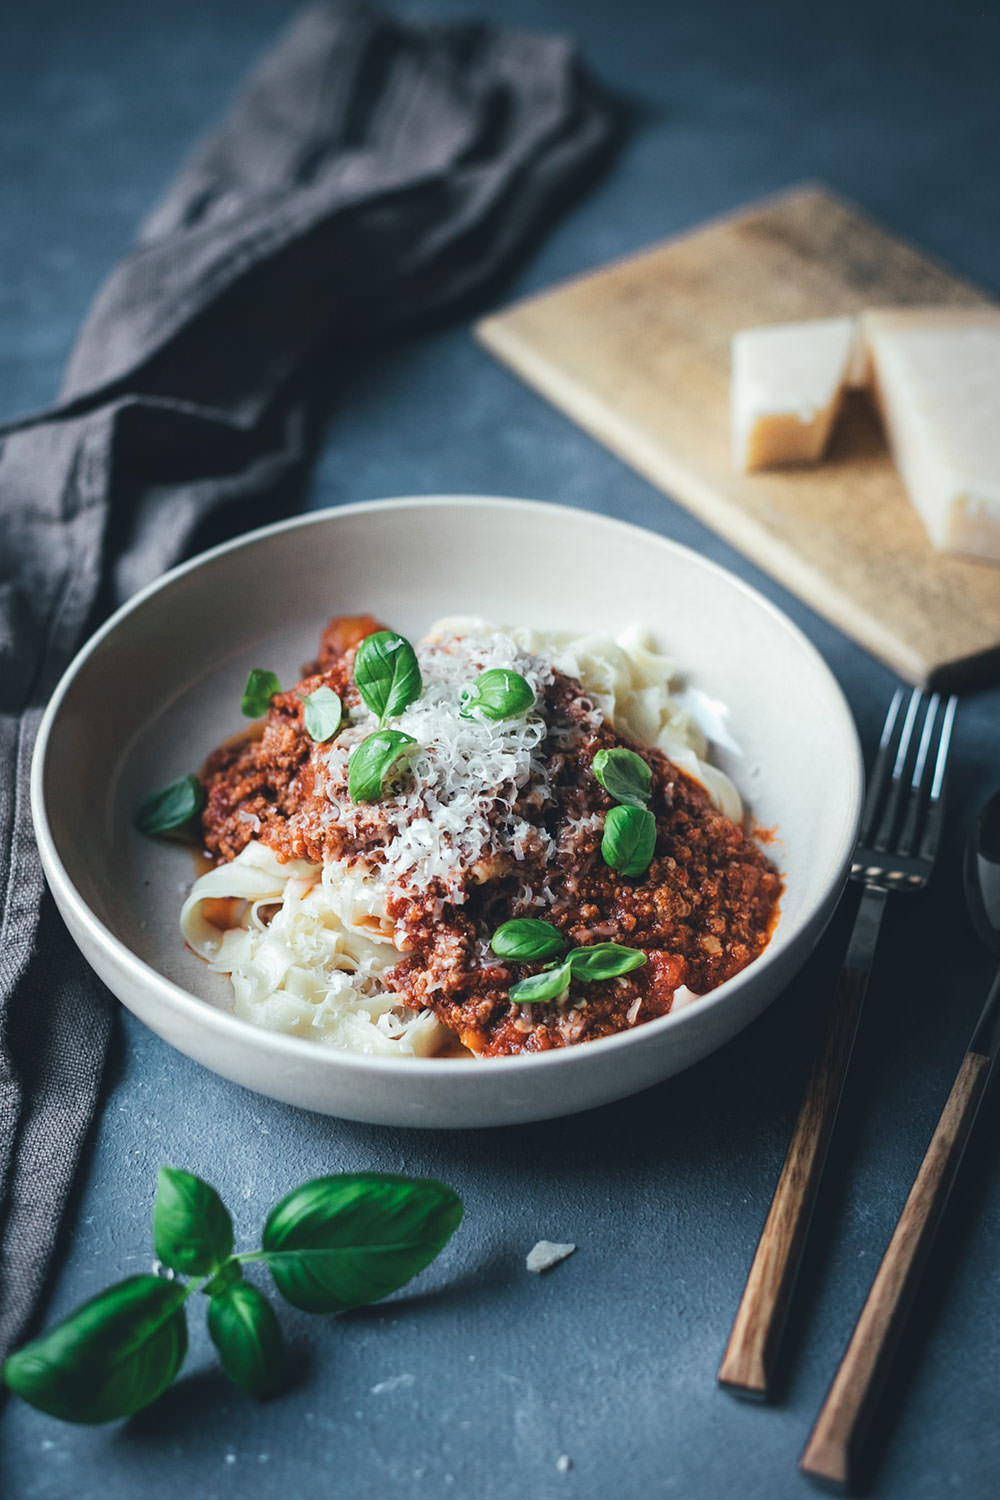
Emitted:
<point x="624" y="776"/>
<point x="497" y="694"/>
<point x="260" y="689"/>
<point x="372" y="760"/>
<point x="387" y="673"/>
<point x="110" y="1358"/>
<point x="629" y="839"/>
<point x="604" y="961"/>
<point x="171" y="807"/>
<point x="525" y="939"/>
<point x="551" y="984"/>
<point x="345" y="1241"/>
<point x="322" y="714"/>
<point x="192" y="1230"/>
<point x="246" y="1332"/>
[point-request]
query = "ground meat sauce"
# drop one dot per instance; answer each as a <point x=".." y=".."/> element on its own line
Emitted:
<point x="702" y="911"/>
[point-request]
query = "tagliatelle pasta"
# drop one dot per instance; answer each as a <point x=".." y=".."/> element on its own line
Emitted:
<point x="378" y="939"/>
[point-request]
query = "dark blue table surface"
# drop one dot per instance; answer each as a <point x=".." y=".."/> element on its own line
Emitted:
<point x="476" y="1380"/>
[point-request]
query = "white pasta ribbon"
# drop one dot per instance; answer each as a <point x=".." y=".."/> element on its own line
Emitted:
<point x="294" y="963"/>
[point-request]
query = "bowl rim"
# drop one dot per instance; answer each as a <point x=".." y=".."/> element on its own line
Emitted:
<point x="225" y="1024"/>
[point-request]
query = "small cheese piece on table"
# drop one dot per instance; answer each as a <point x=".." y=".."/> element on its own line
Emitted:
<point x="788" y="381"/>
<point x="936" y="378"/>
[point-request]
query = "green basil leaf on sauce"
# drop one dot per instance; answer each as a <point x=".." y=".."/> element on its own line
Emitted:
<point x="525" y="939"/>
<point x="246" y="1332"/>
<point x="604" y="961"/>
<point x="110" y="1358"/>
<point x="371" y="762"/>
<point x="497" y="694"/>
<point x="260" y="689"/>
<point x="387" y="673"/>
<point x="345" y="1241"/>
<point x="624" y="776"/>
<point x="322" y="713"/>
<point x="192" y="1230"/>
<point x="171" y="807"/>
<point x="551" y="984"/>
<point x="629" y="839"/>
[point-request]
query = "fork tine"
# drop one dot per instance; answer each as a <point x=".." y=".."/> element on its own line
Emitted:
<point x="917" y="797"/>
<point x="935" y="811"/>
<point x="880" y="769"/>
<point x="891" y="814"/>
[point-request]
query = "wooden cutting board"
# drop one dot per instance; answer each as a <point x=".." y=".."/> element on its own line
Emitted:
<point x="638" y="354"/>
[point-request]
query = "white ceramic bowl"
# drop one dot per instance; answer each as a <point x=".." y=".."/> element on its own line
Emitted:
<point x="160" y="684"/>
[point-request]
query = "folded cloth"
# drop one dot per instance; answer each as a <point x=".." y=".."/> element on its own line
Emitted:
<point x="370" y="176"/>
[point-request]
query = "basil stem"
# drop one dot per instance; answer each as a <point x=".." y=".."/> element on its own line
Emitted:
<point x="110" y="1358"/>
<point x="171" y="807"/>
<point x="192" y="1230"/>
<point x="551" y="984"/>
<point x="344" y="1241"/>
<point x="604" y="961"/>
<point x="629" y="839"/>
<point x="334" y="1243"/>
<point x="387" y="673"/>
<point x="372" y="760"/>
<point x="624" y="776"/>
<point x="497" y="694"/>
<point x="243" y="1327"/>
<point x="527" y="938"/>
<point x="260" y="689"/>
<point x="321" y="714"/>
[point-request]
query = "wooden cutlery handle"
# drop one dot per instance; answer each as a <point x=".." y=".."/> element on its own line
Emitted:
<point x="834" y="1444"/>
<point x="748" y="1364"/>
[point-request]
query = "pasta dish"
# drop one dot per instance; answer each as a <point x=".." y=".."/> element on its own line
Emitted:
<point x="496" y="840"/>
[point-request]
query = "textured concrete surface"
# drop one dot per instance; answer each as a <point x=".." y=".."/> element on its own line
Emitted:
<point x="480" y="1378"/>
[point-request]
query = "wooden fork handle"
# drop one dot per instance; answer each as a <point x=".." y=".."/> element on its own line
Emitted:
<point x="834" y="1445"/>
<point x="748" y="1365"/>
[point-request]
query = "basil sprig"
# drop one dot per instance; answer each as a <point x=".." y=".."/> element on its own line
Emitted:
<point x="528" y="938"/>
<point x="372" y="761"/>
<point x="334" y="1243"/>
<point x="387" y="673"/>
<point x="497" y="694"/>
<point x="629" y="839"/>
<point x="260" y="689"/>
<point x="629" y="829"/>
<point x="590" y="964"/>
<point x="171" y="807"/>
<point x="322" y="714"/>
<point x="624" y="776"/>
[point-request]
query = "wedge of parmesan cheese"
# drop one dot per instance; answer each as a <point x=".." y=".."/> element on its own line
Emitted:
<point x="936" y="379"/>
<point x="788" y="382"/>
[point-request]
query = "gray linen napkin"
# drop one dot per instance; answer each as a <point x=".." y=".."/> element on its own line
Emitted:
<point x="370" y="176"/>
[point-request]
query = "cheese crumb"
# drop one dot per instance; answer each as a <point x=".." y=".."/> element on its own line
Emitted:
<point x="546" y="1254"/>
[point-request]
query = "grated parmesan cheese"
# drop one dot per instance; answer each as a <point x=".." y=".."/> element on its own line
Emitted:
<point x="442" y="823"/>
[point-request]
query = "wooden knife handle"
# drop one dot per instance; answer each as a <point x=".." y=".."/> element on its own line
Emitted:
<point x="748" y="1364"/>
<point x="833" y="1448"/>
